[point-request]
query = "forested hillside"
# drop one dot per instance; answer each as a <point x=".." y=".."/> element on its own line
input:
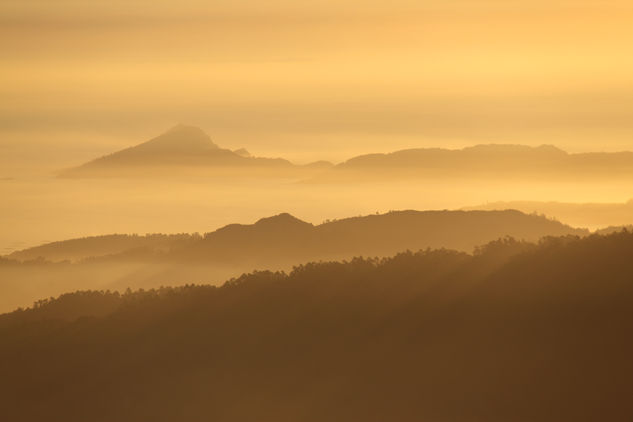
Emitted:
<point x="514" y="332"/>
<point x="274" y="243"/>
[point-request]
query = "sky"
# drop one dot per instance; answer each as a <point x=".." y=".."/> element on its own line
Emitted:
<point x="311" y="80"/>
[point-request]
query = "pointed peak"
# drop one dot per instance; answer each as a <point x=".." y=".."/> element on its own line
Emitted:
<point x="181" y="138"/>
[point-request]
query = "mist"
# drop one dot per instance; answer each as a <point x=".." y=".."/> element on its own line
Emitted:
<point x="44" y="210"/>
<point x="312" y="82"/>
<point x="415" y="210"/>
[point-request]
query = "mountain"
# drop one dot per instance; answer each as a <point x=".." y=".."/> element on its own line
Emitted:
<point x="95" y="246"/>
<point x="321" y="164"/>
<point x="514" y="332"/>
<point x="188" y="148"/>
<point x="614" y="229"/>
<point x="284" y="239"/>
<point x="593" y="215"/>
<point x="272" y="243"/>
<point x="181" y="146"/>
<point x="485" y="161"/>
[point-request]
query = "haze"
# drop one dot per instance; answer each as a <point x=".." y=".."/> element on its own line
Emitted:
<point x="414" y="210"/>
<point x="324" y="80"/>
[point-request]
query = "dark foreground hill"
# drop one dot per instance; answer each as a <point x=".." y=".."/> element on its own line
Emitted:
<point x="515" y="332"/>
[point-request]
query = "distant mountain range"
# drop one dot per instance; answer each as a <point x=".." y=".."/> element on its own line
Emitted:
<point x="592" y="215"/>
<point x="190" y="148"/>
<point x="488" y="161"/>
<point x="182" y="146"/>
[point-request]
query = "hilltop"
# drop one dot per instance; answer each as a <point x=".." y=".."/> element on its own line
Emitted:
<point x="594" y="215"/>
<point x="273" y="243"/>
<point x="285" y="238"/>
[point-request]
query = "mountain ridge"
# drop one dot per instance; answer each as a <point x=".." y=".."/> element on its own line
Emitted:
<point x="589" y="214"/>
<point x="504" y="157"/>
<point x="274" y="243"/>
<point x="402" y="229"/>
<point x="190" y="147"/>
<point x="182" y="145"/>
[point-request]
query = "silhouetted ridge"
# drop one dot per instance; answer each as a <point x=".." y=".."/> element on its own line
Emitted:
<point x="182" y="145"/>
<point x="321" y="164"/>
<point x="594" y="215"/>
<point x="281" y="240"/>
<point x="483" y="162"/>
<point x="180" y="138"/>
<point x="446" y="158"/>
<point x="284" y="239"/>
<point x="94" y="246"/>
<point x="190" y="147"/>
<point x="273" y="243"/>
<point x="510" y="149"/>
<point x="281" y="220"/>
<point x="515" y="332"/>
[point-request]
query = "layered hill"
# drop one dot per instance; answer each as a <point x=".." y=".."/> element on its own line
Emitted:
<point x="182" y="146"/>
<point x="577" y="214"/>
<point x="287" y="239"/>
<point x="516" y="332"/>
<point x="96" y="246"/>
<point x="274" y="243"/>
<point x="485" y="161"/>
<point x="190" y="148"/>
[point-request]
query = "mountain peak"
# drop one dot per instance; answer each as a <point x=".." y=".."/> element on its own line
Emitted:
<point x="180" y="138"/>
<point x="182" y="145"/>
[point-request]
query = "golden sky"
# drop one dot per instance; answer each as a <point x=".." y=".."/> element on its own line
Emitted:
<point x="312" y="80"/>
